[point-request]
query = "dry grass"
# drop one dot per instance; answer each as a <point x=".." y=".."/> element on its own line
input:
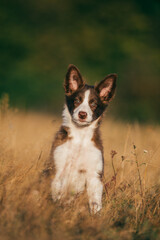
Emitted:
<point x="131" y="200"/>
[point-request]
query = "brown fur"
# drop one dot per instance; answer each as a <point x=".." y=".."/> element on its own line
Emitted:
<point x="97" y="139"/>
<point x="82" y="171"/>
<point x="61" y="137"/>
<point x="98" y="143"/>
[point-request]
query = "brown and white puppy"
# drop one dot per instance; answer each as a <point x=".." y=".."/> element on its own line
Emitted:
<point x="77" y="149"/>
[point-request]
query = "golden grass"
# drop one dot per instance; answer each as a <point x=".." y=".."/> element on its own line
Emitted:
<point x="131" y="199"/>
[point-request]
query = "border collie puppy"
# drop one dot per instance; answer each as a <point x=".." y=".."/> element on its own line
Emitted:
<point x="77" y="149"/>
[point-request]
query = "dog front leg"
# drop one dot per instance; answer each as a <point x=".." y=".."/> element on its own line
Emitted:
<point x="56" y="188"/>
<point x="94" y="191"/>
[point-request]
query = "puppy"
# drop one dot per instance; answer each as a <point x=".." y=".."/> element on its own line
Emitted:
<point x="77" y="150"/>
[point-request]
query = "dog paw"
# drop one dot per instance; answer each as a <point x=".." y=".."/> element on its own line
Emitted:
<point x="95" y="207"/>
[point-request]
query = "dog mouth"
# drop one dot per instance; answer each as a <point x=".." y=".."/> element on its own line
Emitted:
<point x="81" y="122"/>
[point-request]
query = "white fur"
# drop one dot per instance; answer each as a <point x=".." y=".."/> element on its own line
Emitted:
<point x="78" y="162"/>
<point x="84" y="106"/>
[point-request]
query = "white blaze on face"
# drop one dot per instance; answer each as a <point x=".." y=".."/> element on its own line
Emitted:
<point x="84" y="107"/>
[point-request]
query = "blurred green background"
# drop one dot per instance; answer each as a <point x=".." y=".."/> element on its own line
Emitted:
<point x="39" y="38"/>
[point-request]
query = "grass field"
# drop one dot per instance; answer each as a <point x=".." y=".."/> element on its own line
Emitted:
<point x="131" y="199"/>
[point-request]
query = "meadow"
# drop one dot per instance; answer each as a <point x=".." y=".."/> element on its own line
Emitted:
<point x="131" y="198"/>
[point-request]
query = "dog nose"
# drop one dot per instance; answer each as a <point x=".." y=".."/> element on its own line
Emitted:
<point x="82" y="115"/>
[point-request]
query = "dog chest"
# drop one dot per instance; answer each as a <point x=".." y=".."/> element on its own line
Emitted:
<point x="78" y="154"/>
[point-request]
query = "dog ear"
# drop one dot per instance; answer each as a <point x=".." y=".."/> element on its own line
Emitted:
<point x="106" y="88"/>
<point x="73" y="80"/>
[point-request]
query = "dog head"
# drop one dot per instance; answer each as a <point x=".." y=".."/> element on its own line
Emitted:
<point x="87" y="103"/>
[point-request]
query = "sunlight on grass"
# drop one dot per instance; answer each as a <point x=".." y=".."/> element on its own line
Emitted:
<point x="131" y="206"/>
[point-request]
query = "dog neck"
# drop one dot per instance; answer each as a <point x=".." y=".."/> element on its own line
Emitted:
<point x="76" y="130"/>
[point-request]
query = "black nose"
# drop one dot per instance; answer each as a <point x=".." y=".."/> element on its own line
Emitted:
<point x="82" y="115"/>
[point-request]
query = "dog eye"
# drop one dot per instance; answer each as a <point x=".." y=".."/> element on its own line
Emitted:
<point x="77" y="100"/>
<point x="93" y="104"/>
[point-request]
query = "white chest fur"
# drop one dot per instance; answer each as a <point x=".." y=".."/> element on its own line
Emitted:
<point x="76" y="156"/>
<point x="78" y="162"/>
<point x="79" y="149"/>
